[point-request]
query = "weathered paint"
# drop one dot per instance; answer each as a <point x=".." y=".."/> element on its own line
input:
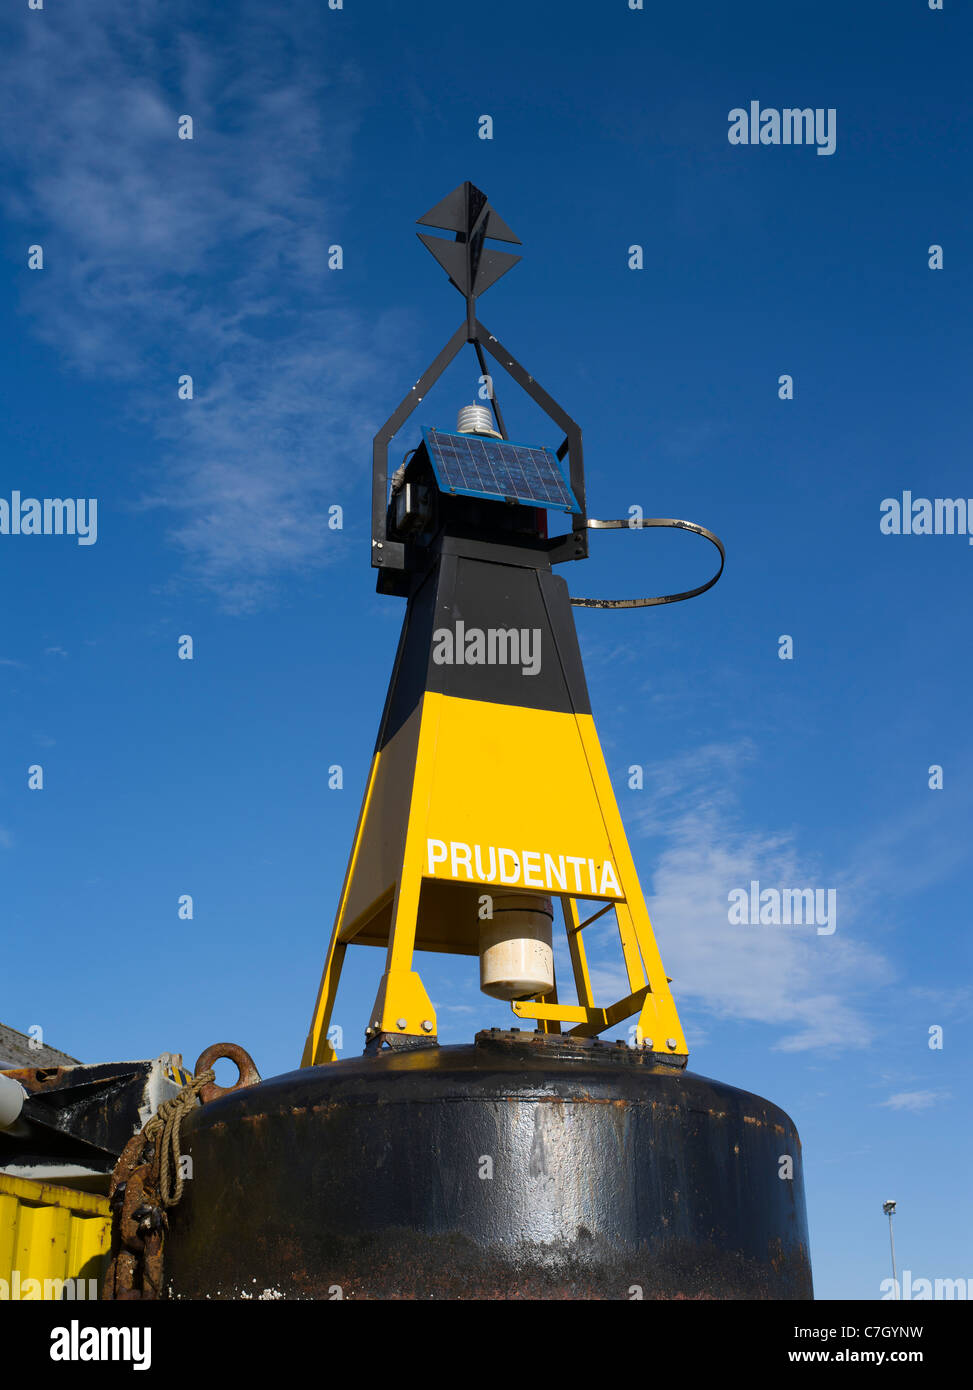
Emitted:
<point x="612" y="1177"/>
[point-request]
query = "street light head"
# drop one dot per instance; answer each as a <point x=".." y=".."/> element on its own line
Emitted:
<point x="888" y="1208"/>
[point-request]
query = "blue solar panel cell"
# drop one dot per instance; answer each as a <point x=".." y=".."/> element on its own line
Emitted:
<point x="495" y="468"/>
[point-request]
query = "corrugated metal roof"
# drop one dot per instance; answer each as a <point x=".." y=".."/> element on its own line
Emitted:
<point x="16" y="1051"/>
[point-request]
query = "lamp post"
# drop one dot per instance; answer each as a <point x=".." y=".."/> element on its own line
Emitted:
<point x="889" y="1209"/>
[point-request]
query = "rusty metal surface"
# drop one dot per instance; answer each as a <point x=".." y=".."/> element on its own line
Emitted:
<point x="567" y="1048"/>
<point x="147" y="1181"/>
<point x="138" y="1225"/>
<point x="609" y="1176"/>
<point x="39" y="1079"/>
<point x="248" y="1074"/>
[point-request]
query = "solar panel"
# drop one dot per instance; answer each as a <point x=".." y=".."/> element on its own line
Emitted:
<point x="495" y="468"/>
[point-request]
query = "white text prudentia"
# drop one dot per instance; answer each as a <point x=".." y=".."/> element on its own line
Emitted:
<point x="557" y="873"/>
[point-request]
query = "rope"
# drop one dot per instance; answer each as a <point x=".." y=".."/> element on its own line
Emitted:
<point x="165" y="1125"/>
<point x="663" y="598"/>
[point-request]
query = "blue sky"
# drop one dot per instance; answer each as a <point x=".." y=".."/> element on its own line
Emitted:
<point x="315" y="127"/>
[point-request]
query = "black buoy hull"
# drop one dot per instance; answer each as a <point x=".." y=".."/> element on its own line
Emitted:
<point x="493" y="1171"/>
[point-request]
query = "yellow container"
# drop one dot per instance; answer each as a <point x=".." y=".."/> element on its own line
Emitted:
<point x="53" y="1240"/>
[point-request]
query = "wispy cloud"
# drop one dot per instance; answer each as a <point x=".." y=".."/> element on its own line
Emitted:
<point x="915" y="1100"/>
<point x="812" y="989"/>
<point x="949" y="1001"/>
<point x="206" y="257"/>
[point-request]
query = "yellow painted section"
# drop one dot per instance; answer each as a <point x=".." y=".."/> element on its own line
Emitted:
<point x="402" y="1005"/>
<point x="376" y="858"/>
<point x="467" y="796"/>
<point x="517" y="779"/>
<point x="488" y="775"/>
<point x="49" y="1234"/>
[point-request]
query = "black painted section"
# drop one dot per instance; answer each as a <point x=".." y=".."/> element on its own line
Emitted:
<point x="482" y="594"/>
<point x="84" y="1115"/>
<point x="369" y="1175"/>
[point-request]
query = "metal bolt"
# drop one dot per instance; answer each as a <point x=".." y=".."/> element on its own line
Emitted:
<point x="670" y="1042"/>
<point x="427" y="1025"/>
<point x="400" y="1023"/>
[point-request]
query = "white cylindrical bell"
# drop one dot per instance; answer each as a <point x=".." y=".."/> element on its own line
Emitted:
<point x="516" y="955"/>
<point x="477" y="419"/>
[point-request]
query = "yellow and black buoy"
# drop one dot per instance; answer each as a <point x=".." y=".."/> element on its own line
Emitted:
<point x="540" y="1163"/>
